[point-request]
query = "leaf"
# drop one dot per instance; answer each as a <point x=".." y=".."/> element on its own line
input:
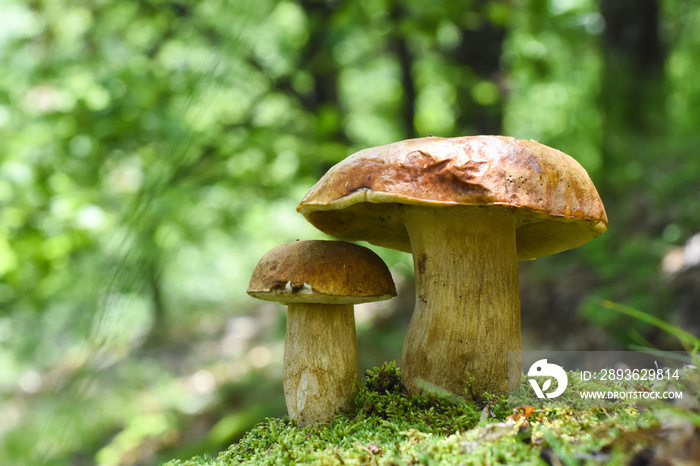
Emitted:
<point x="682" y="335"/>
<point x="546" y="385"/>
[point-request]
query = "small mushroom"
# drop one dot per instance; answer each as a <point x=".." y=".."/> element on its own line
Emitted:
<point x="320" y="281"/>
<point x="468" y="209"/>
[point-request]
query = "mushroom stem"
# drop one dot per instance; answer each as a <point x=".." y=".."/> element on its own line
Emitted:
<point x="320" y="360"/>
<point x="467" y="314"/>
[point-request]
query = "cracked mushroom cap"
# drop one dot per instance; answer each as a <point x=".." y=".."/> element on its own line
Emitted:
<point x="332" y="272"/>
<point x="556" y="204"/>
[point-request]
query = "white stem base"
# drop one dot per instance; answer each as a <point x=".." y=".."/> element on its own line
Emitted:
<point x="320" y="361"/>
<point x="467" y="314"/>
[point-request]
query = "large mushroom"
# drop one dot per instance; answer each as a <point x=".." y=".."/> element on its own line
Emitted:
<point x="469" y="209"/>
<point x="320" y="281"/>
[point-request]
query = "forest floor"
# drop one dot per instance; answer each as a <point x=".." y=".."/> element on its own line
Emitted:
<point x="387" y="426"/>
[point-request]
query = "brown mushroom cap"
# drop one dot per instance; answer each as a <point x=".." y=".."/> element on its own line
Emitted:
<point x="556" y="205"/>
<point x="332" y="272"/>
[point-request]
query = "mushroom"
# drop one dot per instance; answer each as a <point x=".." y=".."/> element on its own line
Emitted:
<point x="468" y="208"/>
<point x="320" y="281"/>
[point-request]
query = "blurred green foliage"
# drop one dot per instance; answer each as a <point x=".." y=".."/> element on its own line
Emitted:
<point x="152" y="151"/>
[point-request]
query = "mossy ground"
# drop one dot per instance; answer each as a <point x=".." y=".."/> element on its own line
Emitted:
<point x="389" y="427"/>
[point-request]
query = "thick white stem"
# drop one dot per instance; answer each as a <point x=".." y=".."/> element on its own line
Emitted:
<point x="467" y="314"/>
<point x="320" y="361"/>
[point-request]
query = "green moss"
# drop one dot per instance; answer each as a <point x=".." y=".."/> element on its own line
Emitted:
<point x="388" y="426"/>
<point x="383" y="396"/>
